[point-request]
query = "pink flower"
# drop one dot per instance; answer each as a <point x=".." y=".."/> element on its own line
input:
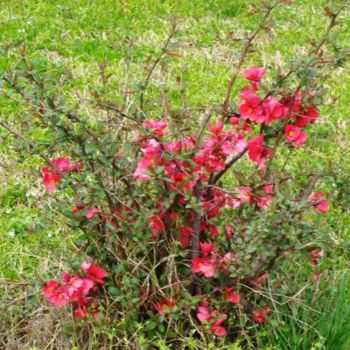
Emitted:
<point x="50" y="179"/>
<point x="317" y="254"/>
<point x="295" y="135"/>
<point x="204" y="266"/>
<point x="77" y="287"/>
<point x="268" y="189"/>
<point x="61" y="164"/>
<point x="232" y="297"/>
<point x="94" y="272"/>
<point x="197" y="264"/>
<point x="73" y="284"/>
<point x="274" y="109"/>
<point x="156" y="126"/>
<point x="263" y="201"/>
<point x="254" y="74"/>
<point x="91" y="213"/>
<point x="245" y="194"/>
<point x="320" y="201"/>
<point x="55" y="293"/>
<point x="152" y="157"/>
<point x="164" y="305"/>
<point x="173" y="147"/>
<point x="229" y="231"/>
<point x="143" y="168"/>
<point x="203" y="313"/>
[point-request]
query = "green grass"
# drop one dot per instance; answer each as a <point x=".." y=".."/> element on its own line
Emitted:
<point x="321" y="321"/>
<point x="80" y="34"/>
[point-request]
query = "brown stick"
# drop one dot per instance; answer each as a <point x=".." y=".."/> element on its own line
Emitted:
<point x="156" y="62"/>
<point x="228" y="165"/>
<point x="196" y="225"/>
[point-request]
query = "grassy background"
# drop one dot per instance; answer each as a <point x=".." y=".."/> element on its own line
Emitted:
<point x="80" y="34"/>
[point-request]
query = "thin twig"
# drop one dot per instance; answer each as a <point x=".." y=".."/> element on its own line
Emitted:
<point x="237" y="157"/>
<point x="244" y="54"/>
<point x="156" y="62"/>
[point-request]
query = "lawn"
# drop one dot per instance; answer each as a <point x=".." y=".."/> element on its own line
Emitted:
<point x="81" y="35"/>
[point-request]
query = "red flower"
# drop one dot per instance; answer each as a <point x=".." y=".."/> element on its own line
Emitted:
<point x="309" y="115"/>
<point x="94" y="272"/>
<point x="214" y="231"/>
<point x="206" y="248"/>
<point x="320" y="201"/>
<point x="262" y="278"/>
<point x="252" y="111"/>
<point x="259" y="316"/>
<point x="50" y="179"/>
<point x="156" y="224"/>
<point x="295" y="135"/>
<point x="80" y="312"/>
<point x="184" y="237"/>
<point x="232" y="297"/>
<point x="216" y="129"/>
<point x="257" y="151"/>
<point x="164" y="305"/>
<point x="77" y="209"/>
<point x="254" y="74"/>
<point x="274" y="109"/>
<point x="55" y="293"/>
<point x="216" y="327"/>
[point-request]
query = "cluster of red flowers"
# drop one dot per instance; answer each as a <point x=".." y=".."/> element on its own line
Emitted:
<point x="52" y="175"/>
<point x="214" y="318"/>
<point x="77" y="289"/>
<point x="186" y="169"/>
<point x="211" y="156"/>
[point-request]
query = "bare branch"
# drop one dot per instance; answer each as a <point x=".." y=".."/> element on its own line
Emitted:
<point x="244" y="54"/>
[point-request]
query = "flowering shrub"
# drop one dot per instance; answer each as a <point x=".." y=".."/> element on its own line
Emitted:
<point x="181" y="220"/>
